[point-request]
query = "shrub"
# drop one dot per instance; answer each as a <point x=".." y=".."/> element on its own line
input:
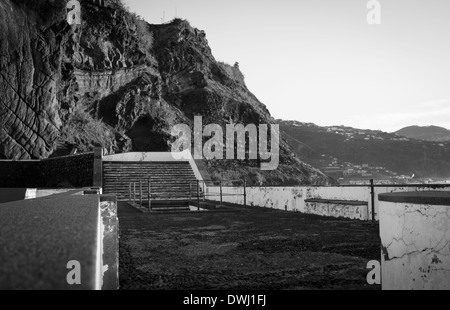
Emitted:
<point x="233" y="71"/>
<point x="85" y="132"/>
<point x="145" y="36"/>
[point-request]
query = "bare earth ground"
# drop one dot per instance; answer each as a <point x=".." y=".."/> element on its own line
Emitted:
<point x="252" y="249"/>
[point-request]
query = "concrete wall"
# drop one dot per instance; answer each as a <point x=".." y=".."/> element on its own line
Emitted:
<point x="70" y="171"/>
<point x="293" y="198"/>
<point x="416" y="246"/>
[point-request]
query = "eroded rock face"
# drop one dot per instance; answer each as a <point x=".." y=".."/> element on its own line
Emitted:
<point x="29" y="76"/>
<point x="128" y="82"/>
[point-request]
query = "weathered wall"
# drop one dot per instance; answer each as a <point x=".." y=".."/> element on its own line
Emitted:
<point x="65" y="172"/>
<point x="349" y="210"/>
<point x="110" y="237"/>
<point x="293" y="198"/>
<point x="416" y="246"/>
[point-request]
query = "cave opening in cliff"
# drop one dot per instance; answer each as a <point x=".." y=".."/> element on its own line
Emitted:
<point x="146" y="136"/>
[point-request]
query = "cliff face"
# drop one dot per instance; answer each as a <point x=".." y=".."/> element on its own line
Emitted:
<point x="118" y="82"/>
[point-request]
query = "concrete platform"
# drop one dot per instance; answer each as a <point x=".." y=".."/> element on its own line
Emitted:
<point x="39" y="237"/>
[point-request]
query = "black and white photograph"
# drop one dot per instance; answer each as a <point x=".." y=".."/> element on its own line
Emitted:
<point x="214" y="153"/>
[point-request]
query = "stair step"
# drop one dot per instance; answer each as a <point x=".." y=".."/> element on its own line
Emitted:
<point x="169" y="180"/>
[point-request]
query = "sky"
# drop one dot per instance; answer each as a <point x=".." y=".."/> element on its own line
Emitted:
<point x="320" y="61"/>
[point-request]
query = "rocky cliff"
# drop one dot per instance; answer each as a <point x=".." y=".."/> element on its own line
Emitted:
<point x="121" y="83"/>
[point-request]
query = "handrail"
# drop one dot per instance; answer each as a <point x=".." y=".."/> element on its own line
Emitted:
<point x="136" y="192"/>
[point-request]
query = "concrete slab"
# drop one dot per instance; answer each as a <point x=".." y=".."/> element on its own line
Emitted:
<point x="39" y="237"/>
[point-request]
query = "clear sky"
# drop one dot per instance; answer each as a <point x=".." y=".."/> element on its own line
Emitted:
<point x="320" y="61"/>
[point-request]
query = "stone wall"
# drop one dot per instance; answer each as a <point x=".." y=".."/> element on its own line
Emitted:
<point x="64" y="172"/>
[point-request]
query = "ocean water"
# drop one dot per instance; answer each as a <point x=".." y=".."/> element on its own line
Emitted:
<point x="12" y="194"/>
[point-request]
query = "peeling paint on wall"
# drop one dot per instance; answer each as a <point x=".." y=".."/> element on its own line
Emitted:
<point x="416" y="246"/>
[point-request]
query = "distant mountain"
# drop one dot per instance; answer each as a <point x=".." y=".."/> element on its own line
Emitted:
<point x="430" y="133"/>
<point x="349" y="153"/>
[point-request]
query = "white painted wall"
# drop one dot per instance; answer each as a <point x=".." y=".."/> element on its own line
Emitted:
<point x="416" y="246"/>
<point x="293" y="198"/>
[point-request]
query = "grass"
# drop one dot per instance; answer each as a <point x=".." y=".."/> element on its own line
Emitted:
<point x="85" y="132"/>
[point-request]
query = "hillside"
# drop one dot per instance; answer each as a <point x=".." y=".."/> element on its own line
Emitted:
<point x="429" y="133"/>
<point x="349" y="153"/>
<point x="121" y="83"/>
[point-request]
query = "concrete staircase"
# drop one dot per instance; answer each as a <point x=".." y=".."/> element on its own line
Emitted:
<point x="169" y="180"/>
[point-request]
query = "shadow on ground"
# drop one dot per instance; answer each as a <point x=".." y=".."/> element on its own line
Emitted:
<point x="257" y="249"/>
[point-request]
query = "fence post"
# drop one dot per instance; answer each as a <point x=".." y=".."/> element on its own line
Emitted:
<point x="149" y="196"/>
<point x="134" y="192"/>
<point x="372" y="194"/>
<point x="245" y="193"/>
<point x="129" y="196"/>
<point x="204" y="191"/>
<point x="141" y="193"/>
<point x="221" y="194"/>
<point x="198" y="195"/>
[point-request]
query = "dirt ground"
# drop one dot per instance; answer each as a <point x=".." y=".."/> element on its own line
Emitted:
<point x="249" y="249"/>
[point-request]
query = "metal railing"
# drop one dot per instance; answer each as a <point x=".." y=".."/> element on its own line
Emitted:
<point x="198" y="191"/>
<point x="221" y="184"/>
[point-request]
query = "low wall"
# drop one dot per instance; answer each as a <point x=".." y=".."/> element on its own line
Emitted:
<point x="70" y="171"/>
<point x="415" y="236"/>
<point x="294" y="198"/>
<point x="42" y="238"/>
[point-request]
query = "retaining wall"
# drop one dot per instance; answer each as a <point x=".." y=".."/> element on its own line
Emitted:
<point x="64" y="172"/>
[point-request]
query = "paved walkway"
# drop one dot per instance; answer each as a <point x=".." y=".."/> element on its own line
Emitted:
<point x="258" y="249"/>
